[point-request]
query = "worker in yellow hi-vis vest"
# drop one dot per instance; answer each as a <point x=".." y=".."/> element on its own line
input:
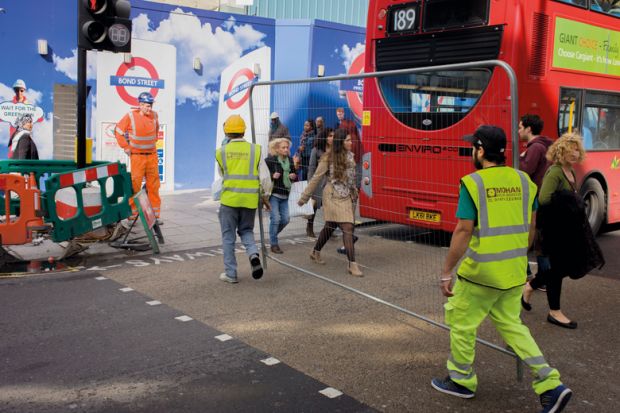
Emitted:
<point x="496" y="212"/>
<point x="245" y="177"/>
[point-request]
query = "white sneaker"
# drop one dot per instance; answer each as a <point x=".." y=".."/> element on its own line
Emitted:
<point x="225" y="277"/>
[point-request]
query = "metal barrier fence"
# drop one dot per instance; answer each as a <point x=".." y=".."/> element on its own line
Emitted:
<point x="403" y="177"/>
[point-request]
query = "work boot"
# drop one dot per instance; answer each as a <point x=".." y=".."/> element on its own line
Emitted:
<point x="228" y="278"/>
<point x="316" y="257"/>
<point x="354" y="269"/>
<point x="276" y="249"/>
<point x="447" y="386"/>
<point x="257" y="269"/>
<point x="555" y="400"/>
<point x="310" y="230"/>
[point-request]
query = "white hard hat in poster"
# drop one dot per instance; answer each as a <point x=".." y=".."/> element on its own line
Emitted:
<point x="152" y="68"/>
<point x="235" y="84"/>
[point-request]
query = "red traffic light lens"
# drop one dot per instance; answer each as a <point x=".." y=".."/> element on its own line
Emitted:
<point x="96" y="6"/>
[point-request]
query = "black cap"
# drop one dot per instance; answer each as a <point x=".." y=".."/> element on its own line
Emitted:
<point x="491" y="138"/>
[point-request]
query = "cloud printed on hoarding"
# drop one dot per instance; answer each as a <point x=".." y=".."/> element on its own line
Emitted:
<point x="215" y="47"/>
<point x="68" y="65"/>
<point x="349" y="54"/>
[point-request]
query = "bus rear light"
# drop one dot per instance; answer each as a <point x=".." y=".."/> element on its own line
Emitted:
<point x="366" y="165"/>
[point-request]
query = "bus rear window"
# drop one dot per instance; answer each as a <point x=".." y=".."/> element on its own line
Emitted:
<point x="446" y="14"/>
<point x="434" y="100"/>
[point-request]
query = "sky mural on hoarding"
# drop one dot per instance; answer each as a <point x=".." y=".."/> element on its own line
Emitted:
<point x="217" y="39"/>
<point x="337" y="48"/>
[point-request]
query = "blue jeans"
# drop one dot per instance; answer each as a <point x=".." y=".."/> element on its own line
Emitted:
<point x="279" y="218"/>
<point x="242" y="221"/>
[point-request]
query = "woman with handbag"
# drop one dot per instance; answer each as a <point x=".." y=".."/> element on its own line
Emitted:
<point x="282" y="172"/>
<point x="339" y="197"/>
<point x="566" y="237"/>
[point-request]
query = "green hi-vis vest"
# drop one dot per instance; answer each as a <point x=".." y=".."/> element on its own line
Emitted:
<point x="239" y="163"/>
<point x="497" y="253"/>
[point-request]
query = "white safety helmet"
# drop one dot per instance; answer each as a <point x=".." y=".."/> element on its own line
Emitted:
<point x="19" y="84"/>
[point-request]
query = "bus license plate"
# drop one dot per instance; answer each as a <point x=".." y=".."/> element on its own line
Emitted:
<point x="426" y="216"/>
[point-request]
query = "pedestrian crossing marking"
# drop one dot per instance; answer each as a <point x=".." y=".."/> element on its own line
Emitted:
<point x="223" y="337"/>
<point x="271" y="361"/>
<point x="330" y="392"/>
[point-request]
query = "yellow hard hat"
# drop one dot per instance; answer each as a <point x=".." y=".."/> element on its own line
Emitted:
<point x="234" y="124"/>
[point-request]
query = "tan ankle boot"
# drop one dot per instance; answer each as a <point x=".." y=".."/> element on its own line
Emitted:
<point x="354" y="269"/>
<point x="316" y="257"/>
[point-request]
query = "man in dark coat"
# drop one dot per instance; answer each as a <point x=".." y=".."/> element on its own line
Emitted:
<point x="533" y="160"/>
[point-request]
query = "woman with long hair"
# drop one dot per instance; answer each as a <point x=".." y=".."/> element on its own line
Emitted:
<point x="339" y="197"/>
<point x="568" y="245"/>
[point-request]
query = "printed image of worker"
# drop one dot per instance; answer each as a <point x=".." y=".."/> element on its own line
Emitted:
<point x="21" y="144"/>
<point x="137" y="133"/>
<point x="19" y="87"/>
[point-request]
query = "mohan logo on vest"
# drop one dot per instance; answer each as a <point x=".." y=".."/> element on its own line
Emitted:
<point x="504" y="194"/>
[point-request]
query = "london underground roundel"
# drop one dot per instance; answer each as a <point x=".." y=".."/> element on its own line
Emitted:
<point x="238" y="91"/>
<point x="122" y="72"/>
<point x="354" y="98"/>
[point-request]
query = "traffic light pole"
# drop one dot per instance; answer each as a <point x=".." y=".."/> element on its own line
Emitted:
<point x="81" y="108"/>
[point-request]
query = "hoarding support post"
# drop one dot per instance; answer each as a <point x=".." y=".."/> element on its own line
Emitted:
<point x="260" y="200"/>
<point x="81" y="109"/>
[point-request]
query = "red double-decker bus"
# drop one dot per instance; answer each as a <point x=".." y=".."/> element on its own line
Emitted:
<point x="566" y="56"/>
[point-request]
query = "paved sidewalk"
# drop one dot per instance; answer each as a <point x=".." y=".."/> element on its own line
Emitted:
<point x="190" y="222"/>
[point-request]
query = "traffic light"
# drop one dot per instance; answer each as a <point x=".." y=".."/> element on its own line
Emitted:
<point x="104" y="25"/>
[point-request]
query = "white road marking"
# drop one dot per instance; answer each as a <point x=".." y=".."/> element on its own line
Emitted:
<point x="100" y="278"/>
<point x="154" y="302"/>
<point x="270" y="361"/>
<point x="331" y="392"/>
<point x="224" y="337"/>
<point x="126" y="289"/>
<point x="183" y="318"/>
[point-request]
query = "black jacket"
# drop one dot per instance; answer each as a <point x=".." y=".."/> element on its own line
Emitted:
<point x="26" y="148"/>
<point x="274" y="166"/>
<point x="567" y="237"/>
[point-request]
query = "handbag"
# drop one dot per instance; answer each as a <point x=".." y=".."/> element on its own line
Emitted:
<point x="294" y="210"/>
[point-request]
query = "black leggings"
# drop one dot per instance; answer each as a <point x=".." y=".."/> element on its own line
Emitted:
<point x="347" y="235"/>
<point x="554" y="287"/>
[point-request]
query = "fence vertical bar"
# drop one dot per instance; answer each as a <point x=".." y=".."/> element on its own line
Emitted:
<point x="260" y="200"/>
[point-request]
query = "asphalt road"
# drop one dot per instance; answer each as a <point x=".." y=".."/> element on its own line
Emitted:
<point x="74" y="343"/>
<point x="80" y="342"/>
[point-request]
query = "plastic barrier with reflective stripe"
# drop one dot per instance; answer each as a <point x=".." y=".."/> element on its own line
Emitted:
<point x="16" y="229"/>
<point x="114" y="207"/>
